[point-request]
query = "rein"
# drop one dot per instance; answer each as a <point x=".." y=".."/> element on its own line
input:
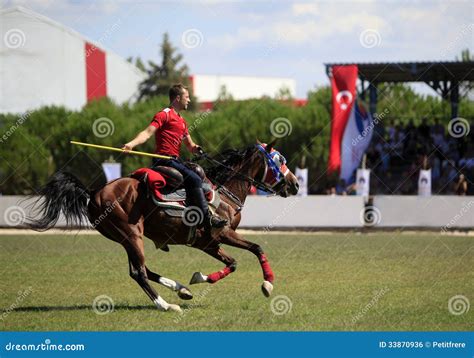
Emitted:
<point x="260" y="184"/>
<point x="257" y="183"/>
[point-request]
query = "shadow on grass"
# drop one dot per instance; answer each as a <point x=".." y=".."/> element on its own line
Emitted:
<point x="89" y="307"/>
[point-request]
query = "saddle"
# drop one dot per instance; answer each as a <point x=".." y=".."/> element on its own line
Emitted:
<point x="165" y="185"/>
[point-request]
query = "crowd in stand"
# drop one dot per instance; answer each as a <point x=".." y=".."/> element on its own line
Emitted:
<point x="397" y="153"/>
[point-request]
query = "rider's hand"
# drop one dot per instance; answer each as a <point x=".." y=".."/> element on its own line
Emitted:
<point x="199" y="151"/>
<point x="127" y="147"/>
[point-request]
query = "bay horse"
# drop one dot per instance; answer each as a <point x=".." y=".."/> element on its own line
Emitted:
<point x="123" y="212"/>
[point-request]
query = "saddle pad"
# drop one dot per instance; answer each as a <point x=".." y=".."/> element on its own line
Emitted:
<point x="174" y="213"/>
<point x="180" y="194"/>
<point x="172" y="207"/>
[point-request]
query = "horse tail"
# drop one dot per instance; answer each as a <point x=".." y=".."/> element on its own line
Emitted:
<point x="64" y="193"/>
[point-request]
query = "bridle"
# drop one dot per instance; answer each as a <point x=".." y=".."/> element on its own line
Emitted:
<point x="271" y="171"/>
<point x="272" y="176"/>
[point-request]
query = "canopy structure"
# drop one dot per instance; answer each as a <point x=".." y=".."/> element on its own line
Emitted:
<point x="443" y="77"/>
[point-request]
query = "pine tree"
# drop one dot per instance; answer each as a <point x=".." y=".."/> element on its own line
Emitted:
<point x="138" y="63"/>
<point x="161" y="77"/>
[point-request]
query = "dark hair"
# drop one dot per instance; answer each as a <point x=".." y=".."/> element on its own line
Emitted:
<point x="176" y="90"/>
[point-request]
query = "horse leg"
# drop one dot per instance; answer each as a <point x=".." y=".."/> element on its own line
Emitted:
<point x="183" y="292"/>
<point x="140" y="273"/>
<point x="231" y="238"/>
<point x="221" y="255"/>
<point x="136" y="260"/>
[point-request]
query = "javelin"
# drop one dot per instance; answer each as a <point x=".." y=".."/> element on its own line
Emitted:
<point x="121" y="150"/>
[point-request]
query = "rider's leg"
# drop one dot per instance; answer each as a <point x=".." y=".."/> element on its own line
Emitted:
<point x="195" y="193"/>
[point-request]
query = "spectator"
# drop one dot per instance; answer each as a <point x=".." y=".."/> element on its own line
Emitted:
<point x="437" y="128"/>
<point x="396" y="160"/>
<point x="424" y="130"/>
<point x="341" y="187"/>
<point x="391" y="130"/>
<point x="460" y="187"/>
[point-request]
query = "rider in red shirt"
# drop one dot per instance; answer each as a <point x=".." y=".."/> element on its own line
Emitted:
<point x="170" y="129"/>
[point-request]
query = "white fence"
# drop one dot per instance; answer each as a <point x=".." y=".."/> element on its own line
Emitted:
<point x="444" y="212"/>
<point x="14" y="209"/>
<point x="344" y="212"/>
<point x="303" y="212"/>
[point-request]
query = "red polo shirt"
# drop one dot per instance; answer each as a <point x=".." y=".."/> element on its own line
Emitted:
<point x="171" y="130"/>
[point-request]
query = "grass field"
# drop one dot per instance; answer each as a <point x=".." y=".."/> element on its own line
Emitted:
<point x="344" y="281"/>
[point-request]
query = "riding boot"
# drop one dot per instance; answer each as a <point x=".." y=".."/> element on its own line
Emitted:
<point x="208" y="220"/>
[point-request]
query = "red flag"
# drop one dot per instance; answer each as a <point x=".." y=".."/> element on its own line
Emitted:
<point x="343" y="81"/>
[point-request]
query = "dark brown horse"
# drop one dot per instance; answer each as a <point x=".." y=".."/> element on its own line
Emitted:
<point x="123" y="212"/>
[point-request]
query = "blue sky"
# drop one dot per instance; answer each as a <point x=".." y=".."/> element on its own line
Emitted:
<point x="272" y="38"/>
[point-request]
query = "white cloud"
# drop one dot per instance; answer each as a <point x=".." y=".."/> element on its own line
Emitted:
<point x="311" y="32"/>
<point x="29" y="3"/>
<point x="417" y="30"/>
<point x="244" y="36"/>
<point x="65" y="6"/>
<point x="299" y="9"/>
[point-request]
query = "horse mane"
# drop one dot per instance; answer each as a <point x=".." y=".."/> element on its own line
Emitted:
<point x="230" y="158"/>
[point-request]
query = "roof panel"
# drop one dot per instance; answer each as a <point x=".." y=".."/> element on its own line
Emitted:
<point x="414" y="71"/>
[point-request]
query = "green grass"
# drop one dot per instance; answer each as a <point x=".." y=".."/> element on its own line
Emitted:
<point x="344" y="281"/>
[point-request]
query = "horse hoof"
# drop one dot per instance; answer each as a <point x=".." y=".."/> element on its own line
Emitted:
<point x="267" y="288"/>
<point x="185" y="294"/>
<point x="198" y="277"/>
<point x="174" y="308"/>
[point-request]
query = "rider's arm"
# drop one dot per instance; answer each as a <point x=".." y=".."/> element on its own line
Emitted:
<point x="192" y="147"/>
<point x="141" y="138"/>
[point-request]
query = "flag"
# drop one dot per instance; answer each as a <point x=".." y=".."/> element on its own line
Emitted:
<point x="112" y="170"/>
<point x="302" y="176"/>
<point x="424" y="183"/>
<point x="356" y="140"/>
<point x="343" y="82"/>
<point x="363" y="182"/>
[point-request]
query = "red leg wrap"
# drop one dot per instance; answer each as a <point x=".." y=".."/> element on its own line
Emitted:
<point x="216" y="276"/>
<point x="267" y="270"/>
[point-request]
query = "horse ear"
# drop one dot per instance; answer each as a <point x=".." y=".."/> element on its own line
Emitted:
<point x="258" y="141"/>
<point x="270" y="146"/>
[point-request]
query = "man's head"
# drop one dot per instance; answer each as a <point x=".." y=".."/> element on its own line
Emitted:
<point x="179" y="97"/>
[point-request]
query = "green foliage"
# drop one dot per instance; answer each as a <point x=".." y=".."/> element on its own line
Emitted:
<point x="39" y="145"/>
<point x="284" y="93"/>
<point x="138" y="63"/>
<point x="466" y="56"/>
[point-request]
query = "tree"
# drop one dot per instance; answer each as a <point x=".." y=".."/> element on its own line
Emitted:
<point x="465" y="56"/>
<point x="161" y="77"/>
<point x="284" y="94"/>
<point x="138" y="63"/>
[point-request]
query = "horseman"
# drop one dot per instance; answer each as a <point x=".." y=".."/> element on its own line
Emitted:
<point x="170" y="129"/>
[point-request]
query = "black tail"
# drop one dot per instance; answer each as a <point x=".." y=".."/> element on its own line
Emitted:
<point x="63" y="193"/>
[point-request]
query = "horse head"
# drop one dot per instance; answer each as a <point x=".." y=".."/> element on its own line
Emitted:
<point x="273" y="171"/>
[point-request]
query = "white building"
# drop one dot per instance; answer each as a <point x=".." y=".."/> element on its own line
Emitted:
<point x="208" y="87"/>
<point x="45" y="63"/>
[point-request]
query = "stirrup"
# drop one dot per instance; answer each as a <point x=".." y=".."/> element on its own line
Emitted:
<point x="212" y="221"/>
<point x="217" y="222"/>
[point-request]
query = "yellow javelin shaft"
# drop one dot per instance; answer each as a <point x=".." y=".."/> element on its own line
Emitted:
<point x="121" y="150"/>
